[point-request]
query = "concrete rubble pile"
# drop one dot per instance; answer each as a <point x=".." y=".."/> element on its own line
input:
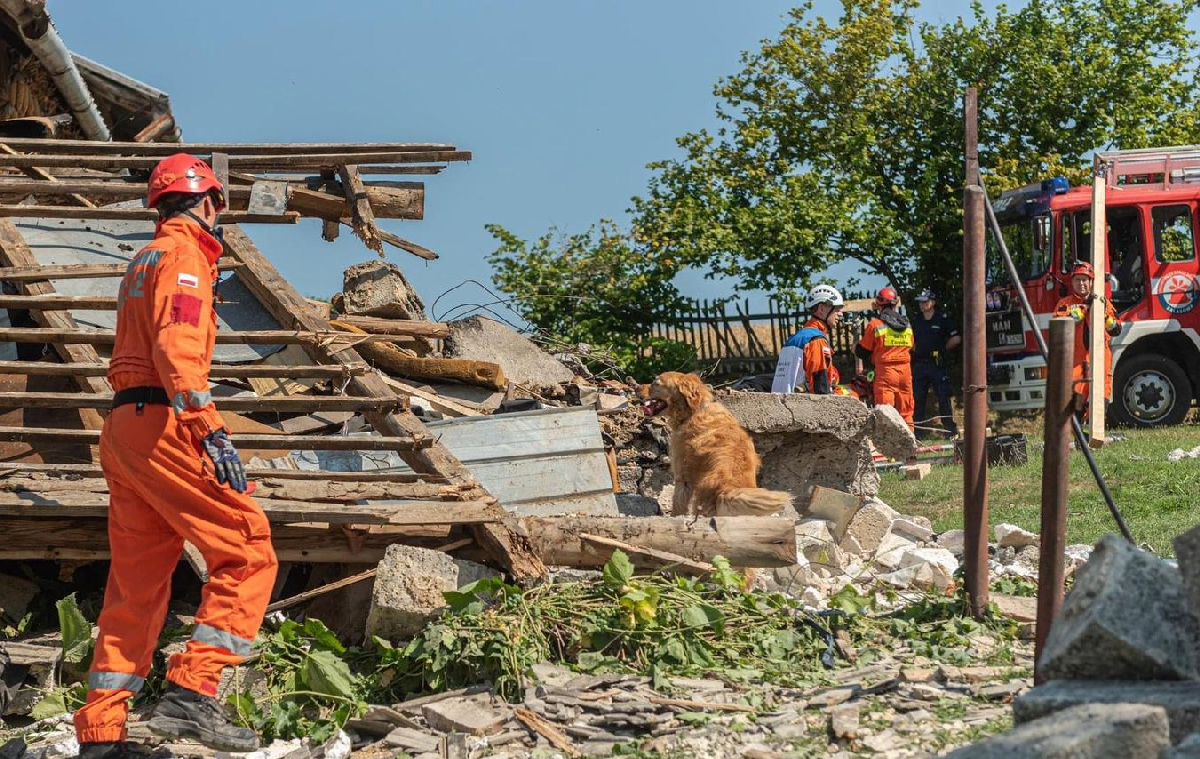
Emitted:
<point x="1120" y="670"/>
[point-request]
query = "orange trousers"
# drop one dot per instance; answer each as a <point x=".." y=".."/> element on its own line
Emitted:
<point x="894" y="387"/>
<point x="161" y="493"/>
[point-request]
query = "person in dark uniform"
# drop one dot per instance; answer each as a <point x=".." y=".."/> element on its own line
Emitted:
<point x="935" y="334"/>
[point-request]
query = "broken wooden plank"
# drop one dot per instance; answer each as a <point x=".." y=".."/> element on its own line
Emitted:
<point x="408" y="246"/>
<point x="93" y="470"/>
<point x="20" y="273"/>
<point x="281" y="404"/>
<point x="647" y="558"/>
<point x="308" y="595"/>
<point x="465" y="371"/>
<point x="52" y="505"/>
<point x="284" y="163"/>
<point x="362" y="218"/>
<point x="136" y="214"/>
<point x="100" y="147"/>
<point x="45" y="176"/>
<point x="439" y="403"/>
<point x="380" y="326"/>
<point x="221" y="371"/>
<point x="78" y="336"/>
<point x="270" y="442"/>
<point x="547" y="730"/>
<point x="58" y="302"/>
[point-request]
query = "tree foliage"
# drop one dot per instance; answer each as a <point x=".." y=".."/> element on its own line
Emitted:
<point x="595" y="288"/>
<point x="845" y="140"/>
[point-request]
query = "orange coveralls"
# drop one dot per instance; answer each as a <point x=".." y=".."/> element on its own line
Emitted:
<point x="891" y="353"/>
<point x="1079" y="309"/>
<point x="163" y="492"/>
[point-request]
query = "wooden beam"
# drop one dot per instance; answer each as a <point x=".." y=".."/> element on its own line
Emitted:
<point x="24" y="273"/>
<point x="135" y="214"/>
<point x="647" y="558"/>
<point x="218" y="371"/>
<point x="513" y="552"/>
<point x="266" y="442"/>
<point x="93" y="470"/>
<point x="45" y="176"/>
<point x="362" y="218"/>
<point x="247" y="337"/>
<point x="408" y="246"/>
<point x="94" y="147"/>
<point x="58" y="302"/>
<point x="290" y="404"/>
<point x="281" y="511"/>
<point x="308" y="595"/>
<point x="14" y="252"/>
<point x="284" y="163"/>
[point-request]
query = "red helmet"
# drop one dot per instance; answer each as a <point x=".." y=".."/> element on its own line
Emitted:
<point x="183" y="173"/>
<point x="887" y="297"/>
<point x="1083" y="268"/>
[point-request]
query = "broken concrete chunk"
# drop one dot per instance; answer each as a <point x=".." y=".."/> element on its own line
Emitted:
<point x="412" y="741"/>
<point x="1126" y="617"/>
<point x="889" y="553"/>
<point x="409" y="587"/>
<point x="872" y="522"/>
<point x="844" y="721"/>
<point x="1108" y="731"/>
<point x="835" y="507"/>
<point x="378" y="288"/>
<point x="474" y="715"/>
<point x="1180" y="699"/>
<point x="941" y="564"/>
<point x="890" y="433"/>
<point x="1011" y="536"/>
<point x="524" y="363"/>
<point x="910" y="528"/>
<point x="953" y="541"/>
<point x="1187" y="553"/>
<point x="916" y="471"/>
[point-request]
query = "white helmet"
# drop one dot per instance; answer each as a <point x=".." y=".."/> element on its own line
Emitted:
<point x="823" y="294"/>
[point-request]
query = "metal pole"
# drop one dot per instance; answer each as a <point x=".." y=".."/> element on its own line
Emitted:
<point x="1055" y="461"/>
<point x="975" y="474"/>
<point x="1080" y="441"/>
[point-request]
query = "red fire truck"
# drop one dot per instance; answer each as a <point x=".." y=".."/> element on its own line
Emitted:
<point x="1150" y="204"/>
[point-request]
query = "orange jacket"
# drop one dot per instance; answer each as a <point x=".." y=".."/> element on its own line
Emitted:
<point x="886" y="346"/>
<point x="1080" y="310"/>
<point x="818" y="357"/>
<point x="166" y="325"/>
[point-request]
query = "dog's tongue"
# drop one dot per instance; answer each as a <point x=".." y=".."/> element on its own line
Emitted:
<point x="648" y="408"/>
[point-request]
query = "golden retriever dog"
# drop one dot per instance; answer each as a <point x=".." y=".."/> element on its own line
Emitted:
<point x="712" y="458"/>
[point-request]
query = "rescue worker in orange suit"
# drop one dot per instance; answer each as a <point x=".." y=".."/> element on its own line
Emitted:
<point x="806" y="359"/>
<point x="1078" y="306"/>
<point x="887" y="343"/>
<point x="173" y="475"/>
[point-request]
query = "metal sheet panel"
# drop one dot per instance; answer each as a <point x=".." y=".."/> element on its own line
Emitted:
<point x="542" y="462"/>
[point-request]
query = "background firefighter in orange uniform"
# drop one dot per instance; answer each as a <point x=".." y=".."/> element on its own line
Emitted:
<point x="1078" y="306"/>
<point x="173" y="475"/>
<point x="887" y="342"/>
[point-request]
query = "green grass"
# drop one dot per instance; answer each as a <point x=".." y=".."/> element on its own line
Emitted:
<point x="1158" y="498"/>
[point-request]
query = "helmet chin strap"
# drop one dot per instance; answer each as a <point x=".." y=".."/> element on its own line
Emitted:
<point x="216" y="232"/>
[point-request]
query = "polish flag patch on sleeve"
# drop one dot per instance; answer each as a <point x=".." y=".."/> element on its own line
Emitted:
<point x="188" y="280"/>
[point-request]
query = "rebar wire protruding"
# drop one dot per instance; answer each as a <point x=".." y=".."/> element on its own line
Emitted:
<point x="1077" y="429"/>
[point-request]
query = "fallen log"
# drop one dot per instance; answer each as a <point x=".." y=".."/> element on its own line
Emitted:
<point x="647" y="558"/>
<point x="744" y="541"/>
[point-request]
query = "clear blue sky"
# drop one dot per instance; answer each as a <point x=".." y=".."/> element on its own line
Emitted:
<point x="562" y="102"/>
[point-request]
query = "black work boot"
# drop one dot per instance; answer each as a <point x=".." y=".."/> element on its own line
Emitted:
<point x="183" y="713"/>
<point x="119" y="750"/>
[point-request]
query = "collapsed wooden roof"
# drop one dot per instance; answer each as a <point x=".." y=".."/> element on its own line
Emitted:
<point x="278" y="183"/>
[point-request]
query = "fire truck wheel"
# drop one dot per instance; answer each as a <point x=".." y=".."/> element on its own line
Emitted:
<point x="1150" y="390"/>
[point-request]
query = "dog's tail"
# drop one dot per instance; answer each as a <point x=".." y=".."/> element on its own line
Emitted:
<point x="751" y="501"/>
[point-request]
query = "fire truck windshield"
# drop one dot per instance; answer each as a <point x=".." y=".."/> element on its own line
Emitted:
<point x="1028" y="242"/>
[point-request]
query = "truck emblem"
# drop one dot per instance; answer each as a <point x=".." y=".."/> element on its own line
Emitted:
<point x="1177" y="292"/>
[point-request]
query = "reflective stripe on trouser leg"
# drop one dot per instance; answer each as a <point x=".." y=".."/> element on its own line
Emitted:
<point x="116" y="681"/>
<point x="221" y="639"/>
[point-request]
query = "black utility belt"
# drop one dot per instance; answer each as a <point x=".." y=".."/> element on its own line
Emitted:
<point x="143" y="396"/>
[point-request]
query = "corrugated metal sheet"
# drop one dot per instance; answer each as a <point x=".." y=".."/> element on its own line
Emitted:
<point x="542" y="462"/>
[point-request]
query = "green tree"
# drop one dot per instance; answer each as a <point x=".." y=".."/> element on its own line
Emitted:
<point x="844" y="140"/>
<point x="596" y="288"/>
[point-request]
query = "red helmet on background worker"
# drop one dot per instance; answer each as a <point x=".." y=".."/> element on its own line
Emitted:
<point x="887" y="297"/>
<point x="186" y="174"/>
<point x="1083" y="269"/>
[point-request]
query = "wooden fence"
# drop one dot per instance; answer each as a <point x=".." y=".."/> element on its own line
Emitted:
<point x="731" y="340"/>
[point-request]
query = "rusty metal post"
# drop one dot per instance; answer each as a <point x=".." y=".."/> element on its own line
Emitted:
<point x="975" y="474"/>
<point x="1055" y="462"/>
